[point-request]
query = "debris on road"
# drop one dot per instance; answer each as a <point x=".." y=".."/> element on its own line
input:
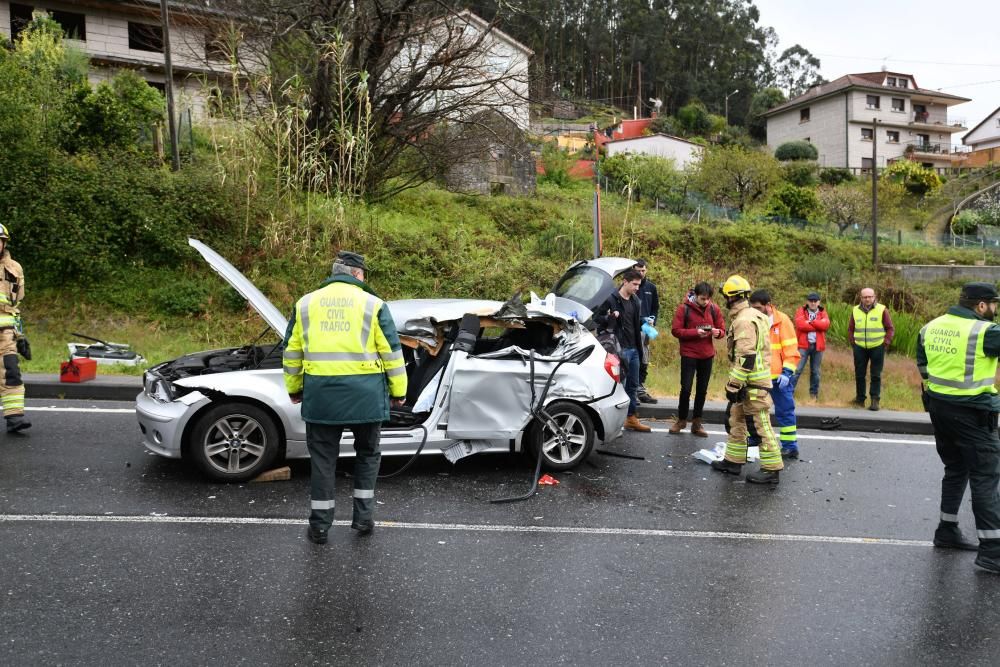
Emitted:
<point x="274" y="475"/>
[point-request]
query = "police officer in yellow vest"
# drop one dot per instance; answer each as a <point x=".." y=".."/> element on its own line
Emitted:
<point x="344" y="364"/>
<point x="870" y="333"/>
<point x="749" y="386"/>
<point x="957" y="358"/>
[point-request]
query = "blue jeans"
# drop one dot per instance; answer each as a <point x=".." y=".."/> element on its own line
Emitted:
<point x="815" y="358"/>
<point x="630" y="364"/>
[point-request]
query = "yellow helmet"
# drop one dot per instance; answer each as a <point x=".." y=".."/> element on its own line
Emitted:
<point x="735" y="286"/>
<point x="4" y="234"/>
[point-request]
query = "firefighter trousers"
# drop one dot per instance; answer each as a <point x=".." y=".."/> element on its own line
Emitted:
<point x="756" y="406"/>
<point x="11" y="385"/>
<point x="323" y="442"/>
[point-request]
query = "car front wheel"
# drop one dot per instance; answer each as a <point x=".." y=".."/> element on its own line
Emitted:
<point x="234" y="442"/>
<point x="567" y="447"/>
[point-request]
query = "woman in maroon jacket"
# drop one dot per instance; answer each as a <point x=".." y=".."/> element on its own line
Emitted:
<point x="697" y="322"/>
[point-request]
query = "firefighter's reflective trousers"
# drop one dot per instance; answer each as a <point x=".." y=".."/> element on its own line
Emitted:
<point x="756" y="406"/>
<point x="323" y="441"/>
<point x="11" y="385"/>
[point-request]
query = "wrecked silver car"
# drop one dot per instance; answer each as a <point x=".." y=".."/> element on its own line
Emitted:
<point x="484" y="376"/>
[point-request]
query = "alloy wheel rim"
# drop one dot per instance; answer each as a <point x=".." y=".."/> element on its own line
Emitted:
<point x="564" y="446"/>
<point x="235" y="443"/>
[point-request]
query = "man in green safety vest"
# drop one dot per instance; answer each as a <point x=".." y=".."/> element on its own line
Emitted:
<point x="344" y="364"/>
<point x="870" y="333"/>
<point x="957" y="358"/>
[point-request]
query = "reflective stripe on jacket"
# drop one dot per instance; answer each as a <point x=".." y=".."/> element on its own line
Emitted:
<point x="748" y="337"/>
<point x="956" y="363"/>
<point x="784" y="344"/>
<point x="343" y="354"/>
<point x="869" y="330"/>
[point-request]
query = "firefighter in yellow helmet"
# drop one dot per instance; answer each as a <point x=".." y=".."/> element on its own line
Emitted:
<point x="749" y="385"/>
<point x="11" y="294"/>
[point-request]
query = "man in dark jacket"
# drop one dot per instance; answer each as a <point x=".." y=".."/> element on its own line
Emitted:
<point x="343" y="362"/>
<point x="697" y="322"/>
<point x="650" y="312"/>
<point x="620" y="314"/>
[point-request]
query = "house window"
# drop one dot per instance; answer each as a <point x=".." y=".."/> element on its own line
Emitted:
<point x="872" y="101"/>
<point x="903" y="83"/>
<point x="145" y="37"/>
<point x="890" y="81"/>
<point x="74" y="25"/>
<point x="20" y="17"/>
<point x="866" y="164"/>
<point x="898" y="104"/>
<point x="867" y="134"/>
<point x="804" y="115"/>
<point x="920" y="113"/>
<point x="892" y="136"/>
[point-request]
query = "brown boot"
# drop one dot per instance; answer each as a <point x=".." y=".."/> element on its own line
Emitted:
<point x="679" y="425"/>
<point x="697" y="429"/>
<point x="633" y="424"/>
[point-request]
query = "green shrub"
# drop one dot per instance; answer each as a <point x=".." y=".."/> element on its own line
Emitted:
<point x="820" y="271"/>
<point x="793" y="202"/>
<point x="801" y="173"/>
<point x="917" y="179"/>
<point x="557" y="163"/>
<point x="966" y="222"/>
<point x="796" y="150"/>
<point x="180" y="298"/>
<point x="835" y="176"/>
<point x="693" y="118"/>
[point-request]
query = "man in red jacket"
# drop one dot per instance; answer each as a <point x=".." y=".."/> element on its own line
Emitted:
<point x="697" y="321"/>
<point x="811" y="323"/>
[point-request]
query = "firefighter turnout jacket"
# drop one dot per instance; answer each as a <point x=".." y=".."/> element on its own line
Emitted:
<point x="342" y="353"/>
<point x="11" y="294"/>
<point x="749" y="347"/>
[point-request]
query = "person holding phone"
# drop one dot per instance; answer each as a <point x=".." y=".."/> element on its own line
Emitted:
<point x="697" y="324"/>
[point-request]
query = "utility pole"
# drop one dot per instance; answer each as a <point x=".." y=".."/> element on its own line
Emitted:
<point x="727" y="104"/>
<point x="638" y="93"/>
<point x="598" y="244"/>
<point x="874" y="193"/>
<point x="175" y="155"/>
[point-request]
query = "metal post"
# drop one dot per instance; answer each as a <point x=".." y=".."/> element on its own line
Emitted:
<point x="597" y="208"/>
<point x="874" y="193"/>
<point x="175" y="154"/>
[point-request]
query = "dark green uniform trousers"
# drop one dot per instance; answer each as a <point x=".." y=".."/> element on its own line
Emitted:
<point x="323" y="441"/>
<point x="970" y="451"/>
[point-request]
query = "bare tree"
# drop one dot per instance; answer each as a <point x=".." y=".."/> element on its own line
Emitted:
<point x="393" y="76"/>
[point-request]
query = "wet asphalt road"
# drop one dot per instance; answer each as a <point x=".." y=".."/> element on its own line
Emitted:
<point x="110" y="555"/>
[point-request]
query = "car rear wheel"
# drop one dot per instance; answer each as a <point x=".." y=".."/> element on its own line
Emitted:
<point x="570" y="445"/>
<point x="234" y="442"/>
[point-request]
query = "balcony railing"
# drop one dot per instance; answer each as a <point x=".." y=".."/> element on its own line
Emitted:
<point x="924" y="118"/>
<point x="927" y="147"/>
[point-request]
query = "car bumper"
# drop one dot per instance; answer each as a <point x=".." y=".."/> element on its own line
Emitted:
<point x="613" y="411"/>
<point x="162" y="424"/>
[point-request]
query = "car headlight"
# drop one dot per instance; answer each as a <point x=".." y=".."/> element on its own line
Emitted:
<point x="161" y="390"/>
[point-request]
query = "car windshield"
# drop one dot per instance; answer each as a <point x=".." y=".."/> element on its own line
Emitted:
<point x="585" y="285"/>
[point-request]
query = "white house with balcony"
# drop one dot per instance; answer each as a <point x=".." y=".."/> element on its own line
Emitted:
<point x="848" y="117"/>
<point x="128" y="35"/>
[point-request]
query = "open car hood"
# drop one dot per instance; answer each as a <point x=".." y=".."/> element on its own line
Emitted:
<point x="241" y="284"/>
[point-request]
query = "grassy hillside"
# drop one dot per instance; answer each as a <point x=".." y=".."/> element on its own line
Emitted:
<point x="428" y="242"/>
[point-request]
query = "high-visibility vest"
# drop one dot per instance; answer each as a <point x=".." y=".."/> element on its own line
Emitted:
<point x="956" y="364"/>
<point x="340" y="335"/>
<point x="868" y="328"/>
<point x="784" y="345"/>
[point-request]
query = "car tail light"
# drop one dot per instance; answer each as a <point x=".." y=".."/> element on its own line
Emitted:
<point x="613" y="367"/>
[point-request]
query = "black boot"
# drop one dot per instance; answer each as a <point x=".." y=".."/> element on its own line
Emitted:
<point x="763" y="477"/>
<point x="316" y="536"/>
<point x="988" y="563"/>
<point x="873" y="406"/>
<point x="363" y="527"/>
<point x="727" y="467"/>
<point x="17" y="423"/>
<point x="948" y="536"/>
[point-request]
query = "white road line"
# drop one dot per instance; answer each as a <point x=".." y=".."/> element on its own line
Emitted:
<point x="481" y="528"/>
<point x="130" y="411"/>
<point x="844" y="438"/>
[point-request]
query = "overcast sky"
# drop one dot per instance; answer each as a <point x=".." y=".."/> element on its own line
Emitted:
<point x="951" y="46"/>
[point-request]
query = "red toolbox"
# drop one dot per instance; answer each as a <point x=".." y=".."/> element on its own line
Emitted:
<point x="77" y="370"/>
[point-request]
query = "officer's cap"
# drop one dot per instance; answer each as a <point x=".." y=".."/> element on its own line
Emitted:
<point x="812" y="296"/>
<point x="351" y="259"/>
<point x="980" y="292"/>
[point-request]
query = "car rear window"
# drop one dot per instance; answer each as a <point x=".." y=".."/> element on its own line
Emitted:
<point x="585" y="285"/>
